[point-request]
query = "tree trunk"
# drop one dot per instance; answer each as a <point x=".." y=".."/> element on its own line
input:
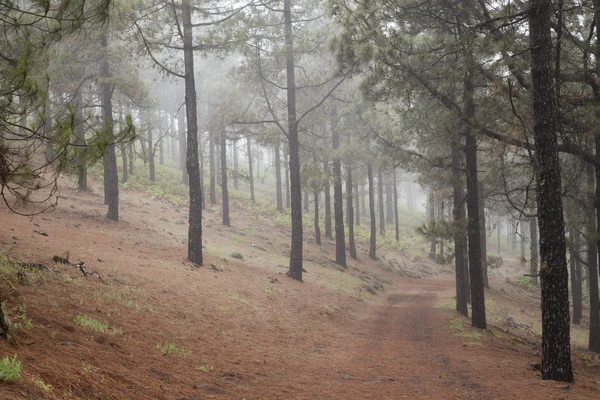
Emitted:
<point x="357" y="207"/>
<point x="317" y="228"/>
<point x="593" y="221"/>
<point x="389" y="206"/>
<point x="191" y="159"/>
<point x="533" y="249"/>
<point x="350" y="213"/>
<point x="380" y="202"/>
<point x="478" y="318"/>
<point x="458" y="214"/>
<point x="295" y="270"/>
<point x="278" y="179"/>
<point x="131" y="147"/>
<point x="213" y="168"/>
<point x="396" y="222"/>
<point x="431" y="212"/>
<point x="338" y="199"/>
<point x="250" y="171"/>
<point x="483" y="239"/>
<point x="224" y="188"/>
<point x="328" y="231"/>
<point x="373" y="237"/>
<point x="287" y="177"/>
<point x="556" y="351"/>
<point x="182" y="147"/>
<point x="151" y="147"/>
<point x="79" y="130"/>
<point x="575" y="284"/>
<point x="111" y="175"/>
<point x="363" y="207"/>
<point x="234" y="149"/>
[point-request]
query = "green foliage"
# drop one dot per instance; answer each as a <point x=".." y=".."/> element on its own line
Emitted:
<point x="96" y="326"/>
<point x="10" y="369"/>
<point x="169" y="348"/>
<point x="39" y="383"/>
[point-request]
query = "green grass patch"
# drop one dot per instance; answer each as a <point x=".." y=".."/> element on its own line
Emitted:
<point x="94" y="325"/>
<point x="169" y="348"/>
<point x="449" y="304"/>
<point x="10" y="369"/>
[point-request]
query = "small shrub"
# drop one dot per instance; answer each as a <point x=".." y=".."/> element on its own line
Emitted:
<point x="169" y="348"/>
<point x="204" y="368"/>
<point x="495" y="262"/>
<point x="237" y="254"/>
<point x="39" y="383"/>
<point x="10" y="369"/>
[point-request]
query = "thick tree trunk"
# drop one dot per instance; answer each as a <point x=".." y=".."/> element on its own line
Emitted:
<point x="350" y="213"/>
<point x="182" y="146"/>
<point x="458" y="214"/>
<point x="380" y="202"/>
<point x="295" y="270"/>
<point x="396" y="222"/>
<point x="593" y="222"/>
<point x="191" y="159"/>
<point x="338" y="198"/>
<point x="111" y="175"/>
<point x="278" y="179"/>
<point x="250" y="171"/>
<point x="224" y="187"/>
<point x="431" y="212"/>
<point x="213" y="168"/>
<point x="373" y="237"/>
<point x="556" y="350"/>
<point x="478" y="318"/>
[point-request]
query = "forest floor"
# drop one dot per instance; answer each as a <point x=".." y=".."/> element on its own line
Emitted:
<point x="239" y="328"/>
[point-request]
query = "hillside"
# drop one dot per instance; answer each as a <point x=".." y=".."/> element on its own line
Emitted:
<point x="146" y="324"/>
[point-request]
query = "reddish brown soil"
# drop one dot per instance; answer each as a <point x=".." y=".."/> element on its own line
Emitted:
<point x="246" y="330"/>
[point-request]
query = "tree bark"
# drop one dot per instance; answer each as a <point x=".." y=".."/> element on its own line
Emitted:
<point x="111" y="175"/>
<point x="396" y="221"/>
<point x="373" y="237"/>
<point x="328" y="231"/>
<point x="224" y="187"/>
<point x="79" y="130"/>
<point x="213" y="168"/>
<point x="338" y="199"/>
<point x="478" y="318"/>
<point x="151" y="147"/>
<point x="191" y="159"/>
<point x="182" y="146"/>
<point x="316" y="221"/>
<point x="350" y="213"/>
<point x="389" y="206"/>
<point x="593" y="222"/>
<point x="234" y="149"/>
<point x="533" y="249"/>
<point x="295" y="270"/>
<point x="431" y="212"/>
<point x="483" y="239"/>
<point x="357" y="207"/>
<point x="458" y="214"/>
<point x="575" y="282"/>
<point x="278" y="179"/>
<point x="556" y="351"/>
<point x="250" y="171"/>
<point x="287" y="177"/>
<point x="380" y="202"/>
